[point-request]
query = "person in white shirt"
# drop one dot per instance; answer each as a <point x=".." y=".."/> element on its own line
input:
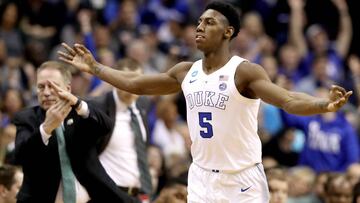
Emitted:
<point x="118" y="150"/>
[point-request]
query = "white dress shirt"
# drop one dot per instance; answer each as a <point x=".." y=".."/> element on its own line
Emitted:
<point x="119" y="157"/>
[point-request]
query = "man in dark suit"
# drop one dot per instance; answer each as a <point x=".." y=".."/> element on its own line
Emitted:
<point x="119" y="150"/>
<point x="38" y="146"/>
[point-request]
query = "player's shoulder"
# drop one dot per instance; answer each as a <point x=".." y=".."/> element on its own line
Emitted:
<point x="247" y="67"/>
<point x="180" y="69"/>
<point x="185" y="65"/>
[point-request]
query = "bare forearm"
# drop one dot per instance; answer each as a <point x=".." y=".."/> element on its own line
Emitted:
<point x="304" y="104"/>
<point x="136" y="83"/>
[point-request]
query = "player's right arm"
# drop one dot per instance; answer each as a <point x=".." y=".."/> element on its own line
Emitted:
<point x="156" y="84"/>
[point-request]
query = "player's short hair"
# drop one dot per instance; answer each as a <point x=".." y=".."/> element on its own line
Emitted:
<point x="229" y="11"/>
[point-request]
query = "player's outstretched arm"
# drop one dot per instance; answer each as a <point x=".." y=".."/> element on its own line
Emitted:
<point x="164" y="83"/>
<point x="294" y="102"/>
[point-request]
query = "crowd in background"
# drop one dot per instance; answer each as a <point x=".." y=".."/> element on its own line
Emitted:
<point x="304" y="46"/>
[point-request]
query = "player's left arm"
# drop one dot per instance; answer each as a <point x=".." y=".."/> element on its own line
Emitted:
<point x="292" y="102"/>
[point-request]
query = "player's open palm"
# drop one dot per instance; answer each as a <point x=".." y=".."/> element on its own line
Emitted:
<point x="78" y="56"/>
<point x="338" y="97"/>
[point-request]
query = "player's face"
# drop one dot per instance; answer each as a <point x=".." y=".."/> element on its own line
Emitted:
<point x="210" y="30"/>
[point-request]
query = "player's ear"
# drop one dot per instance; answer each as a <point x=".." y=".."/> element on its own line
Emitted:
<point x="229" y="31"/>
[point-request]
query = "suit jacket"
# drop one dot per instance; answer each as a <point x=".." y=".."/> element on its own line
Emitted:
<point x="41" y="165"/>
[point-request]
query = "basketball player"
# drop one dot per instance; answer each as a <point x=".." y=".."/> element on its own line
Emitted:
<point x="223" y="95"/>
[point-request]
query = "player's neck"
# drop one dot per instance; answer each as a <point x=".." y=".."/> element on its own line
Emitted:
<point x="214" y="61"/>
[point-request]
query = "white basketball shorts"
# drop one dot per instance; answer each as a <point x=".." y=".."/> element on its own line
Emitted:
<point x="214" y="186"/>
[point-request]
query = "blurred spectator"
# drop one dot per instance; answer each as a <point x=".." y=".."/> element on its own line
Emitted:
<point x="40" y="25"/>
<point x="280" y="148"/>
<point x="291" y="63"/>
<point x="125" y="27"/>
<point x="138" y="50"/>
<point x="331" y="143"/>
<point x="12" y="103"/>
<point x="7" y="144"/>
<point x="270" y="64"/>
<point x="9" y="32"/>
<point x="338" y="189"/>
<point x="278" y="185"/>
<point x="11" y="179"/>
<point x="253" y="42"/>
<point x="319" y="186"/>
<point x="301" y="182"/>
<point x="157" y="168"/>
<point x="317" y="78"/>
<point x="354" y="66"/>
<point x="318" y="38"/>
<point x="353" y="173"/>
<point x="156" y="12"/>
<point x="166" y="135"/>
<point x="269" y="163"/>
<point x="175" y="193"/>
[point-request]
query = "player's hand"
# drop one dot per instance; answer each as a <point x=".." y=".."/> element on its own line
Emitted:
<point x="337" y="98"/>
<point x="78" y="56"/>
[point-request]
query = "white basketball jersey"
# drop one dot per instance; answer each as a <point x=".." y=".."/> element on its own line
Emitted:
<point x="222" y="123"/>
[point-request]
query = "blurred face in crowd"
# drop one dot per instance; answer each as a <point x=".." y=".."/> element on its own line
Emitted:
<point x="278" y="191"/>
<point x="46" y="94"/>
<point x="8" y="135"/>
<point x="319" y="41"/>
<point x="168" y="112"/>
<point x="8" y="195"/>
<point x="253" y="24"/>
<point x="339" y="191"/>
<point x="353" y="173"/>
<point x="10" y="15"/>
<point x="320" y="181"/>
<point x="270" y="65"/>
<point x="128" y="13"/>
<point x="289" y="57"/>
<point x="13" y="101"/>
<point x="319" y="69"/>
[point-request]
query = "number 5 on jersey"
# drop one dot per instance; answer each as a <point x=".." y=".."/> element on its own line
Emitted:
<point x="204" y="122"/>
